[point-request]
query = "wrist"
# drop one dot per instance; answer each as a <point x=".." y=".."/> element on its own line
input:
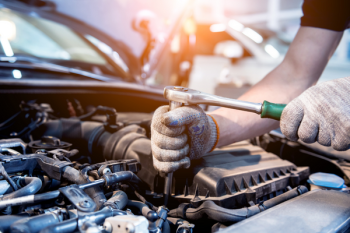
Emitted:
<point x="214" y="134"/>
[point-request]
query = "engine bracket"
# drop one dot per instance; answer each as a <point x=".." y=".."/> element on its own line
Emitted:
<point x="78" y="198"/>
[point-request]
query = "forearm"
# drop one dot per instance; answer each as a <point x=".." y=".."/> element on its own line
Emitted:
<point x="301" y="68"/>
<point x="238" y="125"/>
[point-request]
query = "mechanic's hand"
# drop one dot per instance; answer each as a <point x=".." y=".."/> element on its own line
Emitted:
<point x="185" y="131"/>
<point x="322" y="114"/>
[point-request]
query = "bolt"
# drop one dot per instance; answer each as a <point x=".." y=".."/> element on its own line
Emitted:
<point x="85" y="204"/>
<point x="107" y="226"/>
<point x="106" y="171"/>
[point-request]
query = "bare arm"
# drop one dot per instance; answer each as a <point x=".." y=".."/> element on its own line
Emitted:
<point x="301" y="68"/>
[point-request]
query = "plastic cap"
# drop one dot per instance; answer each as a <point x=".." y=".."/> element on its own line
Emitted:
<point x="326" y="180"/>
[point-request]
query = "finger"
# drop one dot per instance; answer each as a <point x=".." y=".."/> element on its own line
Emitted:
<point x="291" y="118"/>
<point x="183" y="116"/>
<point x="169" y="143"/>
<point x="340" y="143"/>
<point x="168" y="167"/>
<point x="308" y="130"/>
<point x="162" y="128"/>
<point x="324" y="137"/>
<point x="169" y="155"/>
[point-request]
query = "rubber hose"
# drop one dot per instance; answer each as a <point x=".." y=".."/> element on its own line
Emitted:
<point x="67" y="226"/>
<point x="71" y="225"/>
<point x="119" y="200"/>
<point x="32" y="186"/>
<point x="212" y="211"/>
<point x="121" y="176"/>
<point x="34" y="224"/>
<point x="8" y="178"/>
<point x="6" y="221"/>
<point x="76" y="177"/>
<point x="142" y="207"/>
<point x="166" y="227"/>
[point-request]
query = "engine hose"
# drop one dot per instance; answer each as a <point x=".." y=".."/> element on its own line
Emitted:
<point x="35" y="224"/>
<point x="71" y="225"/>
<point x="7" y="220"/>
<point x="118" y="200"/>
<point x="76" y="177"/>
<point x="117" y="177"/>
<point x="166" y="227"/>
<point x="67" y="226"/>
<point x="7" y="177"/>
<point x="212" y="211"/>
<point x="142" y="207"/>
<point x="32" y="185"/>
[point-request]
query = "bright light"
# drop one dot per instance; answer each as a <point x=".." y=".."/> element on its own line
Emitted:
<point x="175" y="44"/>
<point x="235" y="25"/>
<point x="219" y="27"/>
<point x="7" y="29"/>
<point x="190" y="26"/>
<point x="272" y="51"/>
<point x="6" y="46"/>
<point x="256" y="37"/>
<point x="17" y="74"/>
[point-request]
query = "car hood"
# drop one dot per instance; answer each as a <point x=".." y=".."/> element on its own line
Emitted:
<point x="117" y="23"/>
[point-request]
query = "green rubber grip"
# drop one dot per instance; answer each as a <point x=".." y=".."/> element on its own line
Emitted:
<point x="271" y="110"/>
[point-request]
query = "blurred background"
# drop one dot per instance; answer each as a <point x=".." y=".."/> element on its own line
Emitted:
<point x="220" y="47"/>
<point x="236" y="43"/>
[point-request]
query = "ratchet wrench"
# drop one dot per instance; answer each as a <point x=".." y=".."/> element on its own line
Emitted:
<point x="178" y="96"/>
<point x="189" y="96"/>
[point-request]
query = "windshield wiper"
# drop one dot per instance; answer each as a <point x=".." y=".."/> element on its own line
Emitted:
<point x="40" y="64"/>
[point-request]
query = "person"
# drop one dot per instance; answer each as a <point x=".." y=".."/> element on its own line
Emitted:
<point x="319" y="113"/>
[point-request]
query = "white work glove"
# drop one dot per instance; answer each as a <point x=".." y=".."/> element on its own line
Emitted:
<point x="182" y="132"/>
<point x="322" y="114"/>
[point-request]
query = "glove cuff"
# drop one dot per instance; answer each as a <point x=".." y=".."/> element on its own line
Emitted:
<point x="214" y="135"/>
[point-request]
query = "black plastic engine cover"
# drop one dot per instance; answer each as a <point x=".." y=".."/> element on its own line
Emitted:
<point x="315" y="211"/>
<point x="235" y="175"/>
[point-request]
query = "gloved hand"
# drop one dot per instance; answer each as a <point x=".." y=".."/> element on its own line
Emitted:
<point x="322" y="114"/>
<point x="185" y="131"/>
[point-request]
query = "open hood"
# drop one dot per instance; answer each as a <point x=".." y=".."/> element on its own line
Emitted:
<point x="138" y="30"/>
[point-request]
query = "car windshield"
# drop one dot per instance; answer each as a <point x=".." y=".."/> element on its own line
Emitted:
<point x="23" y="35"/>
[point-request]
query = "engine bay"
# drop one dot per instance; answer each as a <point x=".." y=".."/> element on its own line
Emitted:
<point x="88" y="168"/>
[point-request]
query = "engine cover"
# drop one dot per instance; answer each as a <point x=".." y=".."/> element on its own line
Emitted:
<point x="236" y="175"/>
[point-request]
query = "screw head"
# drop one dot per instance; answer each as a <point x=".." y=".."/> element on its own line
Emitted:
<point x="85" y="204"/>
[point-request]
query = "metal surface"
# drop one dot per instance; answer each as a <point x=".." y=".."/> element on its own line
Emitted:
<point x="78" y="198"/>
<point x="190" y="96"/>
<point x="169" y="177"/>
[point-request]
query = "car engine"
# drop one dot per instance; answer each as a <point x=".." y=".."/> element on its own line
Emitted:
<point x="91" y="170"/>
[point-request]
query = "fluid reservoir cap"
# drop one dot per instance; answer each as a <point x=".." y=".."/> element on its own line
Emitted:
<point x="49" y="143"/>
<point x="326" y="180"/>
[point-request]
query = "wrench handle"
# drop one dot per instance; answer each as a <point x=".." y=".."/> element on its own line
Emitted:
<point x="271" y="110"/>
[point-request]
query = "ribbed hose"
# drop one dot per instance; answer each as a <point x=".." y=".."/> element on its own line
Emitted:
<point x="76" y="177"/>
<point x="212" y="211"/>
<point x="32" y="186"/>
